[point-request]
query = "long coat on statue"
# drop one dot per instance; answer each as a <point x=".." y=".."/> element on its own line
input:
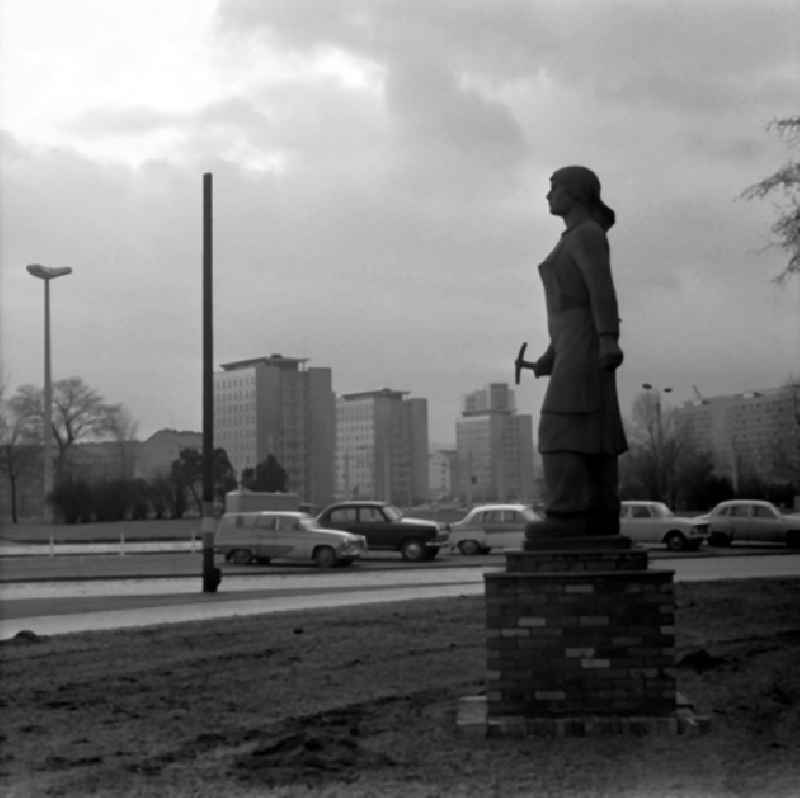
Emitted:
<point x="580" y="412"/>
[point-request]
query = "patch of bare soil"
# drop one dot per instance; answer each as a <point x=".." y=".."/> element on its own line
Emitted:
<point x="362" y="701"/>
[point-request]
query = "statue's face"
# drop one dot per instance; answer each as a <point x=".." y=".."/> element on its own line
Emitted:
<point x="559" y="199"/>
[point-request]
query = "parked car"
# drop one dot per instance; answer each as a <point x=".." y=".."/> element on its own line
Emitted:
<point x="744" y="519"/>
<point x="284" y="535"/>
<point x="654" y="522"/>
<point x="491" y="526"/>
<point x="385" y="527"/>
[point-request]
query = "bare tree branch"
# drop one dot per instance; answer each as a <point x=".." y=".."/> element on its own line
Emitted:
<point x="786" y="180"/>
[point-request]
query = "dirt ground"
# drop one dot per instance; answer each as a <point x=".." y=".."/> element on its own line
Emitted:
<point x="362" y="702"/>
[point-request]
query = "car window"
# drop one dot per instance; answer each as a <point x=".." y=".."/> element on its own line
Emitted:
<point x="370" y="515"/>
<point x="492" y="517"/>
<point x="343" y="514"/>
<point x="640" y="511"/>
<point x="265" y="522"/>
<point x="513" y="517"/>
<point x="739" y="510"/>
<point x="392" y="513"/>
<point x="762" y="511"/>
<point x="288" y="523"/>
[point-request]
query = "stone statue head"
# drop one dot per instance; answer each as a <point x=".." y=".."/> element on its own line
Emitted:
<point x="583" y="185"/>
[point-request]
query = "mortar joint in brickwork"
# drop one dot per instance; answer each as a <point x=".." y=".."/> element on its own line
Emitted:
<point x="593" y="620"/>
<point x="579" y="653"/>
<point x="595" y="663"/>
<point x="579" y="588"/>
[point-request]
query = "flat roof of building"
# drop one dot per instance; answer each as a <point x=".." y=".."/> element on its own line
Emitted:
<point x="274" y="359"/>
<point x="381" y="392"/>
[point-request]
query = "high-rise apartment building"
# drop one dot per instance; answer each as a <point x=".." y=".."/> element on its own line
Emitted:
<point x="495" y="447"/>
<point x="747" y="434"/>
<point x="382" y="446"/>
<point x="443" y="473"/>
<point x="277" y="405"/>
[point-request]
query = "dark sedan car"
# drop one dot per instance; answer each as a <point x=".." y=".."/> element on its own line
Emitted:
<point x="385" y="527"/>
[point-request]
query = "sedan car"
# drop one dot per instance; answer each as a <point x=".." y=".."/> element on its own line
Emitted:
<point x="491" y="526"/>
<point x="654" y="522"/>
<point x="283" y="535"/>
<point x="385" y="527"/>
<point x="759" y="521"/>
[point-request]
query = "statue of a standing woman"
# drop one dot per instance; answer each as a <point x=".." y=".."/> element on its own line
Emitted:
<point x="580" y="429"/>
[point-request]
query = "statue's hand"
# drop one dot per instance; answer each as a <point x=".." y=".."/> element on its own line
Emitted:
<point x="543" y="366"/>
<point x="610" y="354"/>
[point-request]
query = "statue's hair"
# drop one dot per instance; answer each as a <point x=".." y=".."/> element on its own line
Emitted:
<point x="584" y="185"/>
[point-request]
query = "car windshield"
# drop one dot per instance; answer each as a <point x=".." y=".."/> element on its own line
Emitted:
<point x="662" y="511"/>
<point x="392" y="513"/>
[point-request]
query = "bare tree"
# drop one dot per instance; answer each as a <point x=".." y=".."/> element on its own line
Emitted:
<point x="79" y="413"/>
<point x="659" y="446"/>
<point x="785" y="181"/>
<point x="20" y="435"/>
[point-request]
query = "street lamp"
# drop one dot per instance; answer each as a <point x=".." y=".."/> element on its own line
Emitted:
<point x="659" y="436"/>
<point x="47" y="274"/>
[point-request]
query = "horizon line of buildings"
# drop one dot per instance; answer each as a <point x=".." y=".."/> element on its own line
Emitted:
<point x="375" y="444"/>
<point x="369" y="444"/>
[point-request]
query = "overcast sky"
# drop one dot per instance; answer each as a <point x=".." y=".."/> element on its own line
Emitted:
<point x="380" y="171"/>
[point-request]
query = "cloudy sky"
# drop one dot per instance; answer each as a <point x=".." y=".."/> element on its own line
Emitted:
<point x="379" y="178"/>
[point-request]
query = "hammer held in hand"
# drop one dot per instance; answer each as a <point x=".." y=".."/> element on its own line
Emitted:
<point x="520" y="363"/>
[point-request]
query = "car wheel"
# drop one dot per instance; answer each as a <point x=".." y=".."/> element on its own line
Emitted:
<point x="470" y="547"/>
<point x="719" y="539"/>
<point x="675" y="541"/>
<point x="413" y="550"/>
<point x="325" y="557"/>
<point x="793" y="538"/>
<point x="240" y="557"/>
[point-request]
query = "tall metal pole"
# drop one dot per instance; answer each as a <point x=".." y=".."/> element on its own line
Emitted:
<point x="660" y="455"/>
<point x="46" y="274"/>
<point x="211" y="574"/>
<point x="47" y="432"/>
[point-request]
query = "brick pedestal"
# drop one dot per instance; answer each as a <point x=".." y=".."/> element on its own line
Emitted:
<point x="579" y="632"/>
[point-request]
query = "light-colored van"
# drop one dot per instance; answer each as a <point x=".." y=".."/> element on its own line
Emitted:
<point x="284" y="535"/>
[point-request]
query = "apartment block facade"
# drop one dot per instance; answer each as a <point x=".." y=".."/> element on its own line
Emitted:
<point x="747" y="434"/>
<point x="382" y="447"/>
<point x="278" y="405"/>
<point x="443" y="474"/>
<point x="494" y="447"/>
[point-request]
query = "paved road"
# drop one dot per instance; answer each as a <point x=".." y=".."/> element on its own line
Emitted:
<point x="71" y="606"/>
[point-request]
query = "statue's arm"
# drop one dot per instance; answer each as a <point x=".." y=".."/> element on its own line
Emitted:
<point x="543" y="367"/>
<point x="591" y="254"/>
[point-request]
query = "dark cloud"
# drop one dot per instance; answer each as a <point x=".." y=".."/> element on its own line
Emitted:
<point x="695" y="57"/>
<point x="397" y="237"/>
